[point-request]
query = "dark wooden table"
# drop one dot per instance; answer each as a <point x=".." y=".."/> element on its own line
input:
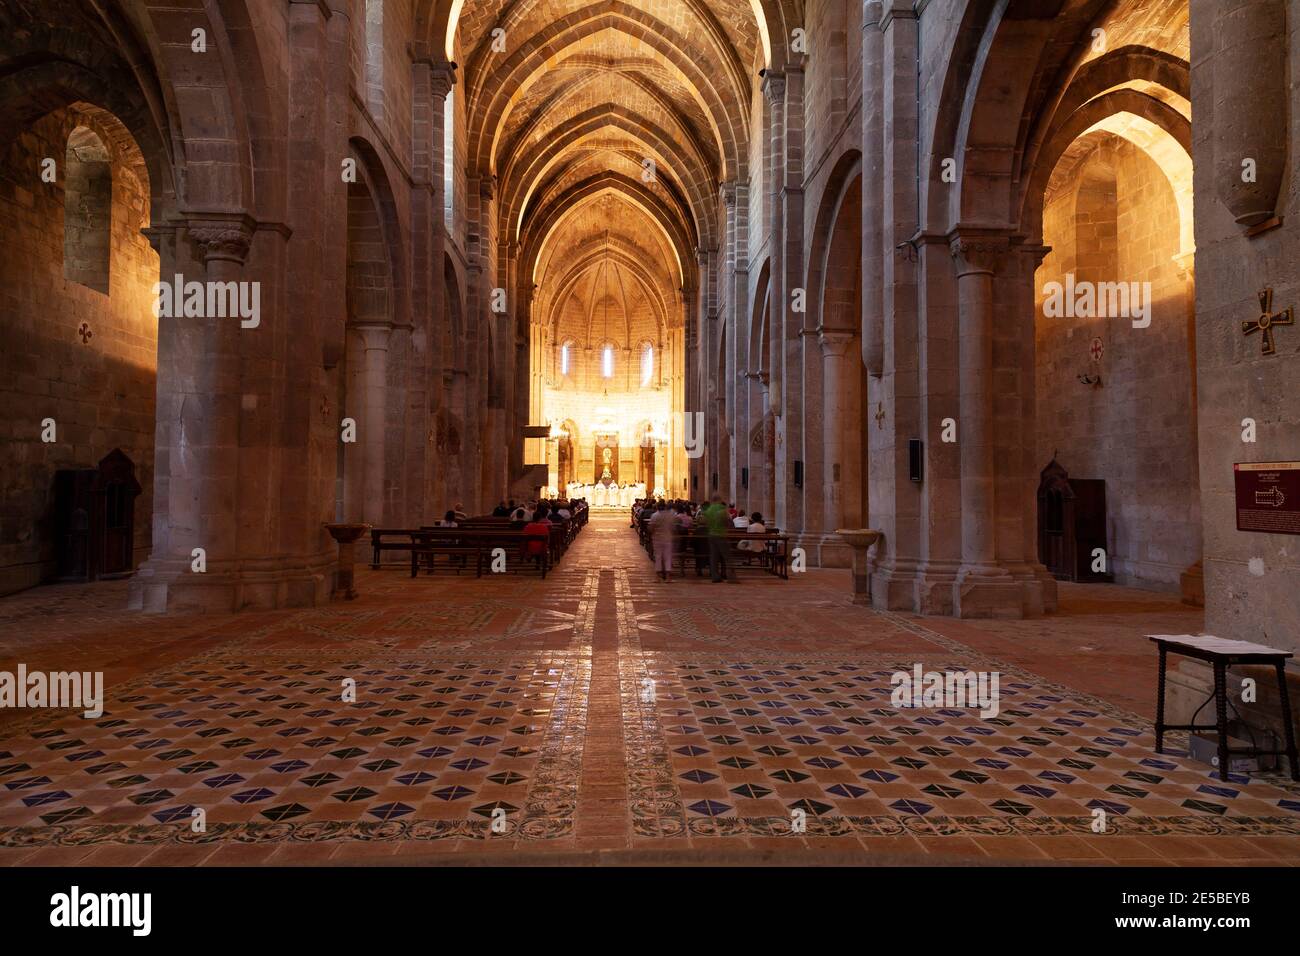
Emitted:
<point x="1221" y="654"/>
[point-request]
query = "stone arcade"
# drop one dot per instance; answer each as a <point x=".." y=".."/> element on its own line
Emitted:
<point x="847" y="264"/>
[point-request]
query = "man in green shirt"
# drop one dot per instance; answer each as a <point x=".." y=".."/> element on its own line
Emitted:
<point x="717" y="522"/>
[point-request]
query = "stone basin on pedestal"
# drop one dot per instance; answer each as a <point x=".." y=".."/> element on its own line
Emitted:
<point x="346" y="535"/>
<point x="860" y="540"/>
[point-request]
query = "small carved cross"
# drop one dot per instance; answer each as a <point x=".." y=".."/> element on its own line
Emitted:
<point x="1267" y="320"/>
<point x="880" y="415"/>
<point x="85" y="333"/>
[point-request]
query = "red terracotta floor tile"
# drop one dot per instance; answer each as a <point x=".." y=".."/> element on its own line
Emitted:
<point x="601" y="714"/>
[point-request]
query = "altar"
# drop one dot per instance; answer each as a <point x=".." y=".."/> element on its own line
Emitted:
<point x="607" y="494"/>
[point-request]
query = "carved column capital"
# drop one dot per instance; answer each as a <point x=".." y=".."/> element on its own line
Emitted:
<point x="728" y="193"/>
<point x="976" y="253"/>
<point x="442" y="77"/>
<point x="773" y="87"/>
<point x="222" y="239"/>
<point x="374" y="335"/>
<point x="834" y="342"/>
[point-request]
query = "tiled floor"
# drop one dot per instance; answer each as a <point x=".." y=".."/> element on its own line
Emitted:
<point x="602" y="714"/>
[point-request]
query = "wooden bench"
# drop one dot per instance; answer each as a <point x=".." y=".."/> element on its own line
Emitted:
<point x="563" y="535"/>
<point x="771" y="558"/>
<point x="388" y="539"/>
<point x="472" y="537"/>
<point x="427" y="543"/>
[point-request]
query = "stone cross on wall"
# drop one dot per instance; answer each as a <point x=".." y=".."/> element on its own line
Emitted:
<point x="1267" y="320"/>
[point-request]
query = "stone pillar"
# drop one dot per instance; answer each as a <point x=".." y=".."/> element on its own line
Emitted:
<point x="442" y="483"/>
<point x="784" y="94"/>
<point x="1021" y="476"/>
<point x="704" y="385"/>
<point x="492" y="370"/>
<point x="873" y="187"/>
<point x="1250" y="106"/>
<point x="982" y="588"/>
<point x="756" y="401"/>
<point x="736" y="197"/>
<point x="316" y="202"/>
<point x="840" y="393"/>
<point x="374" y="388"/>
<point x="200" y="395"/>
<point x="773" y="88"/>
<point x="1192" y="580"/>
<point x="431" y="81"/>
<point x="789" y="504"/>
<point x="895" y="398"/>
<point x="474" y="396"/>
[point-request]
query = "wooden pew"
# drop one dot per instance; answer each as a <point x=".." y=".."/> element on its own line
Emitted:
<point x="772" y="558"/>
<point x="388" y="539"/>
<point x="475" y="537"/>
<point x="430" y="542"/>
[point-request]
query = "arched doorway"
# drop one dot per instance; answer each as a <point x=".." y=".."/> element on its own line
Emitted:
<point x="1115" y="346"/>
<point x="85" y="291"/>
<point x="1124" y="78"/>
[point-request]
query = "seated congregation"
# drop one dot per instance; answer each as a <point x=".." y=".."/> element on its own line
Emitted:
<point x="515" y="538"/>
<point x="714" y="535"/>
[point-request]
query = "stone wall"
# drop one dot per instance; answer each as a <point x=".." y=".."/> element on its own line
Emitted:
<point x="1113" y="218"/>
<point x="1252" y="581"/>
<point x="70" y="352"/>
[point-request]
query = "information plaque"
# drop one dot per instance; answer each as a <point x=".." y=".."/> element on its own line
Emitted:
<point x="1268" y="496"/>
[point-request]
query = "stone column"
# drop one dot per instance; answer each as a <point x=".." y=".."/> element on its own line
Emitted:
<point x="977" y="257"/>
<point x="895" y="387"/>
<point x="197" y="466"/>
<point x="1192" y="580"/>
<point x="474" y="400"/>
<point x="837" y="367"/>
<point x="773" y="88"/>
<point x="316" y="198"/>
<point x="374" y="388"/>
<point x="735" y="196"/>
<point x="873" y="188"/>
<point x="840" y="370"/>
<point x="442" y="483"/>
<point x="1250" y="106"/>
<point x="767" y="490"/>
<point x="1038" y="587"/>
<point x="756" y="451"/>
<point x="491" y="474"/>
<point x="703" y="382"/>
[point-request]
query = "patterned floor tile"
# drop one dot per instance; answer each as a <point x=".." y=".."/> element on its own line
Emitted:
<point x="597" y="709"/>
